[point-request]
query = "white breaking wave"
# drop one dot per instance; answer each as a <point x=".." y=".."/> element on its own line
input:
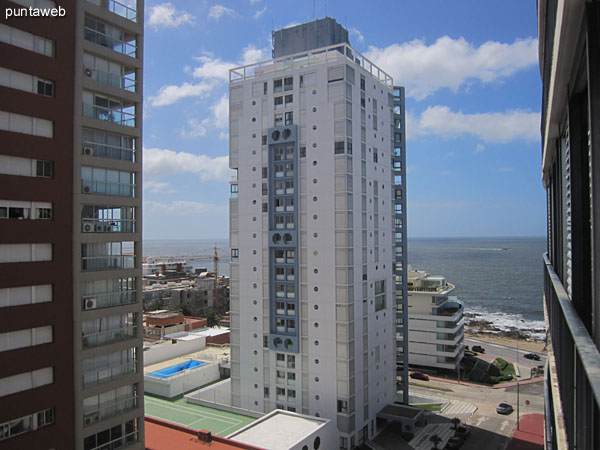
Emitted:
<point x="535" y="329"/>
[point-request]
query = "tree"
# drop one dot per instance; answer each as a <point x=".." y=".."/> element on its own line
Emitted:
<point x="456" y="423"/>
<point x="435" y="439"/>
<point x="212" y="318"/>
<point x="187" y="310"/>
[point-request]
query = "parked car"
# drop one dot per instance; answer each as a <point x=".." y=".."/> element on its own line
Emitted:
<point x="504" y="408"/>
<point x="454" y="443"/>
<point x="533" y="356"/>
<point x="462" y="431"/>
<point x="419" y="376"/>
<point x="478" y="348"/>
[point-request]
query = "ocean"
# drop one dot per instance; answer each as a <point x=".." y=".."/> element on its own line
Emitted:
<point x="499" y="279"/>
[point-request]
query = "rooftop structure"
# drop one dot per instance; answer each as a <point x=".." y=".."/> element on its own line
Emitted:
<point x="569" y="33"/>
<point x="317" y="237"/>
<point x="308" y="36"/>
<point x="283" y="430"/>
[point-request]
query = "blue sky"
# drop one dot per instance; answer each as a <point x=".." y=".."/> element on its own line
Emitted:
<point x="473" y="101"/>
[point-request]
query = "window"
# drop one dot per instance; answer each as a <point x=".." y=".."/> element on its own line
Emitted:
<point x="342" y="406"/>
<point x="109" y="404"/>
<point x="11" y="253"/>
<point x="28" y="41"/>
<point x="25" y="338"/>
<point x="278" y="102"/>
<point x="25" y="381"/>
<point x="375" y="159"/>
<point x="95" y="180"/>
<point x="45" y="87"/>
<point x="380" y="299"/>
<point x="44" y="213"/>
<point x="44" y="169"/>
<point x="265" y="88"/>
<point x="289" y="118"/>
<point x="18" y="123"/>
<point x="26" y="424"/>
<point x="278" y="120"/>
<point x="108" y="145"/>
<point x="338" y="147"/>
<point x="291" y="362"/>
<point x="280" y="359"/>
<point x="289" y="99"/>
<point x="303" y="152"/>
<point x="119" y="436"/>
<point x="349" y="146"/>
<point x="277" y="85"/>
<point x="235" y="253"/>
<point x="233" y="190"/>
<point x="264" y="139"/>
<point x="362" y="83"/>
<point x="288" y="83"/>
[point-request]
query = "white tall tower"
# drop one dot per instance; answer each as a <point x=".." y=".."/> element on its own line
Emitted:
<point x="312" y="231"/>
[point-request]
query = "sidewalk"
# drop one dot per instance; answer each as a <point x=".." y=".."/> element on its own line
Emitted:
<point x="530" y="436"/>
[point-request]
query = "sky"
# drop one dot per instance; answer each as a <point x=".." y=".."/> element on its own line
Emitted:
<point x="473" y="100"/>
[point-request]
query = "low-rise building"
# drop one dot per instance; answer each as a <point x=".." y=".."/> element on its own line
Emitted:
<point x="435" y="322"/>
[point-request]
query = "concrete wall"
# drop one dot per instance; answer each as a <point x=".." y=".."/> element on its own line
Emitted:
<point x="163" y="352"/>
<point x="218" y="396"/>
<point x="180" y="384"/>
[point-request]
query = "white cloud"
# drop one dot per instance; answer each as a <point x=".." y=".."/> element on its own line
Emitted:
<point x="252" y="2"/>
<point x="219" y="120"/>
<point x="167" y="95"/>
<point x="480" y="148"/>
<point x="216" y="68"/>
<point x="260" y="12"/>
<point x="490" y="127"/>
<point x="162" y="162"/>
<point x="218" y="11"/>
<point x="452" y="63"/>
<point x="167" y="16"/>
<point x="357" y="34"/>
<point x="158" y="187"/>
<point x="220" y="112"/>
<point x="411" y="168"/>
<point x="182" y="207"/>
<point x="195" y="128"/>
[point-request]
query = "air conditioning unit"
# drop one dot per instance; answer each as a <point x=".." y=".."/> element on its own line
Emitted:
<point x="90" y="419"/>
<point x="89" y="72"/>
<point x="88" y="151"/>
<point x="101" y="228"/>
<point x="89" y="303"/>
<point x="86" y="189"/>
<point x="88" y="228"/>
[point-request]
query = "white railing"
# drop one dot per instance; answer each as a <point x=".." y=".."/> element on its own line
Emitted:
<point x="305" y="59"/>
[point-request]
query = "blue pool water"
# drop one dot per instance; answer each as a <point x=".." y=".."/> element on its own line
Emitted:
<point x="168" y="372"/>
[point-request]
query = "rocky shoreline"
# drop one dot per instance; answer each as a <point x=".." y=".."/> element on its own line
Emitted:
<point x="476" y="326"/>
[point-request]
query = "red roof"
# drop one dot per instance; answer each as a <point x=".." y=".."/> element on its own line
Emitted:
<point x="161" y="435"/>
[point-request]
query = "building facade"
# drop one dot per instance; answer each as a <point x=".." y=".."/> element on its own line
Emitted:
<point x="312" y="232"/>
<point x="435" y="322"/>
<point x="569" y="33"/>
<point x="70" y="226"/>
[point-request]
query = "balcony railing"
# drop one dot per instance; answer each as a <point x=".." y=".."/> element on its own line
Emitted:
<point x="126" y="48"/>
<point x="112" y="262"/>
<point x="117" y="116"/>
<point x="107" y="226"/>
<point x="574" y="372"/>
<point x="109" y="336"/>
<point x="107" y="188"/>
<point x="117" y="8"/>
<point x="104" y="374"/>
<point x="110" y="79"/>
<point x="108" y="151"/>
<point x="108" y="409"/>
<point x="107" y="300"/>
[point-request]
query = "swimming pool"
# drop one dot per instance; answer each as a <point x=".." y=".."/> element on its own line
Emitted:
<point x="168" y="372"/>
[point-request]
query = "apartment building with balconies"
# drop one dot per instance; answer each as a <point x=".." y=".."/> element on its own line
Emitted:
<point x="316" y="232"/>
<point x="435" y="322"/>
<point x="70" y="226"/>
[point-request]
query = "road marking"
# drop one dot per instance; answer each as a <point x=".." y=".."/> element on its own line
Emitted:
<point x="481" y="420"/>
<point x="504" y="425"/>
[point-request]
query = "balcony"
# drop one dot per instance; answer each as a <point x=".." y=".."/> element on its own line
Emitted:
<point x="127" y="83"/>
<point x="109" y="262"/>
<point x="108" y="151"/>
<point x="108" y="409"/>
<point x="108" y="300"/>
<point x="118" y="116"/>
<point x="109" y="336"/>
<point x="118" y="8"/>
<point x="107" y="188"/>
<point x="107" y="226"/>
<point x="572" y="387"/>
<point x="106" y="36"/>
<point x="102" y="375"/>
